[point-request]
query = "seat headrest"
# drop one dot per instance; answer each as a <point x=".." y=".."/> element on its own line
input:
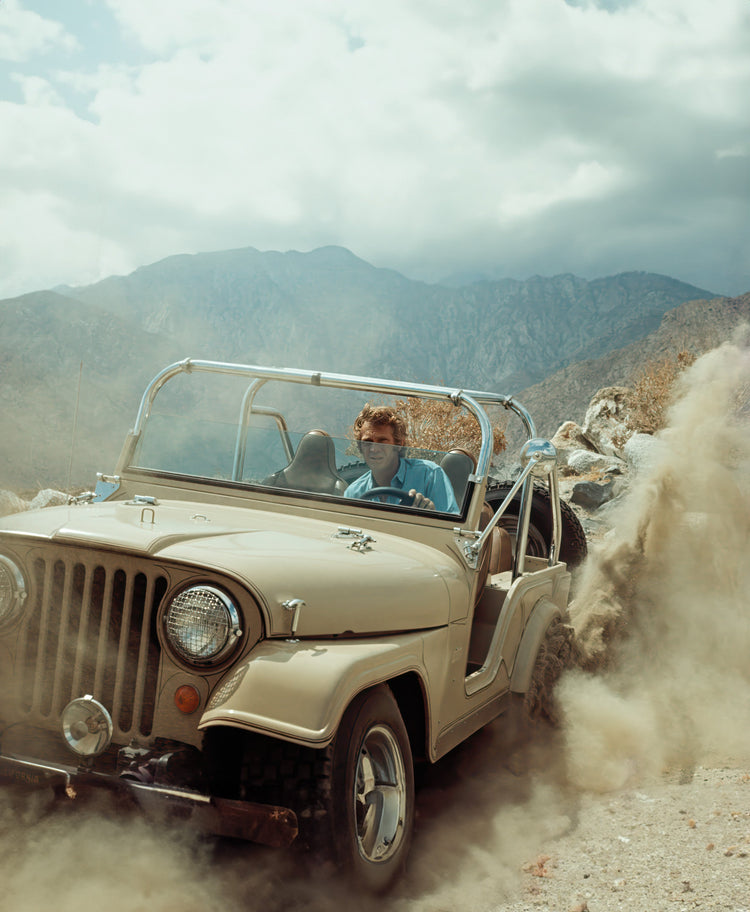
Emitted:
<point x="458" y="465"/>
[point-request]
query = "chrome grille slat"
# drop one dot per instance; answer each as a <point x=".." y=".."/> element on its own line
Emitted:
<point x="91" y="629"/>
<point x="61" y="640"/>
<point x="82" y="628"/>
<point x="122" y="647"/>
<point x="101" y="649"/>
<point x="140" y="678"/>
<point x="43" y="630"/>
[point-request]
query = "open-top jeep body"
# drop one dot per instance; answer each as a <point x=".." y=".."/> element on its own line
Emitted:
<point x="220" y="628"/>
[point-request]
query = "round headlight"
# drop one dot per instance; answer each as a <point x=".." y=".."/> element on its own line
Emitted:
<point x="86" y="726"/>
<point x="12" y="591"/>
<point x="202" y="625"/>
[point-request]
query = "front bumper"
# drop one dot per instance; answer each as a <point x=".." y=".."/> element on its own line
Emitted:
<point x="261" y="823"/>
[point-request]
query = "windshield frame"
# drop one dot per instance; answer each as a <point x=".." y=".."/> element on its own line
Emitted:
<point x="257" y="376"/>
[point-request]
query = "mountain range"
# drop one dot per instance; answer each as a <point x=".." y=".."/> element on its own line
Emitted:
<point x="75" y="360"/>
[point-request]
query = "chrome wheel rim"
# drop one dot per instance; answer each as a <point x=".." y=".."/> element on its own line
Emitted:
<point x="379" y="795"/>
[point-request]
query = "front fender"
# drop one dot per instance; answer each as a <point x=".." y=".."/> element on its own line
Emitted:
<point x="298" y="691"/>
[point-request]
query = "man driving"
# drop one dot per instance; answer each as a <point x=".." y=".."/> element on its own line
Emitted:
<point x="380" y="432"/>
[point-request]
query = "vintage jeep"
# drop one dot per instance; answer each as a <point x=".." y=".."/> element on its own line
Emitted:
<point x="218" y="628"/>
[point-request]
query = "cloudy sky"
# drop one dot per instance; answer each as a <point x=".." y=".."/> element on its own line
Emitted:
<point x="511" y="137"/>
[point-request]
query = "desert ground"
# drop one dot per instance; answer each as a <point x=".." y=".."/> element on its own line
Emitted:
<point x="495" y="832"/>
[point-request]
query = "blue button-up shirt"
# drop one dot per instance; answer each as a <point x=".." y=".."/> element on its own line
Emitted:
<point x="413" y="474"/>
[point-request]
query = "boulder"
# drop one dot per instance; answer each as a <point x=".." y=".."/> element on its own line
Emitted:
<point x="11" y="503"/>
<point x="605" y="424"/>
<point x="583" y="461"/>
<point x="49" y="498"/>
<point x="592" y="494"/>
<point x="569" y="438"/>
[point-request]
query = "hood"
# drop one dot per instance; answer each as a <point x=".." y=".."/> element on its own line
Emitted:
<point x="392" y="584"/>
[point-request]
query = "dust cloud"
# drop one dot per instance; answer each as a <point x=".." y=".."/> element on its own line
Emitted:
<point x="663" y="626"/>
<point x="479" y="820"/>
<point x="662" y="613"/>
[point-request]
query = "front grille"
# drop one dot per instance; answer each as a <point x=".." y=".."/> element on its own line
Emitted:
<point x="91" y="629"/>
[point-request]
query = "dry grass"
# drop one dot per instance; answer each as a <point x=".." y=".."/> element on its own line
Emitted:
<point x="653" y="392"/>
<point x="438" y="425"/>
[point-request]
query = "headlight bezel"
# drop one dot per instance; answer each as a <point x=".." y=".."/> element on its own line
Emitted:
<point x="17" y="592"/>
<point x="177" y="630"/>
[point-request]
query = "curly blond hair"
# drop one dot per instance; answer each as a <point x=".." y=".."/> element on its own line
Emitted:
<point x="380" y="416"/>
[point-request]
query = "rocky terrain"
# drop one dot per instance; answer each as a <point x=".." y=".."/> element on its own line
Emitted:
<point x="696" y="327"/>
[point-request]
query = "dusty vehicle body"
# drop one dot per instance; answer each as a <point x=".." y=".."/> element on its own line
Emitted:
<point x="219" y="629"/>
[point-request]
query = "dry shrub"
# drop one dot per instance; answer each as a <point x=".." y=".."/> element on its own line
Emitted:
<point x="438" y="425"/>
<point x="653" y="392"/>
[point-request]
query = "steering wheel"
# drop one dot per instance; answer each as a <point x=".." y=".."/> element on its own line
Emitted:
<point x="404" y="497"/>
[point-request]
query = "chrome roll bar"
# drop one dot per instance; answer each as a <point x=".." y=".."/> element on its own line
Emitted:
<point x="472" y="399"/>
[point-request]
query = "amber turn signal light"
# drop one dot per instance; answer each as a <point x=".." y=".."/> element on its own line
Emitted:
<point x="187" y="699"/>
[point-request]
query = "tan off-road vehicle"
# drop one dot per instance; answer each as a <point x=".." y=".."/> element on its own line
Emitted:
<point x="220" y="629"/>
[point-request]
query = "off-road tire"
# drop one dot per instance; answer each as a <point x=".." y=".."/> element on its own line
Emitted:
<point x="321" y="787"/>
<point x="538" y="704"/>
<point x="574" y="547"/>
<point x="252" y="767"/>
<point x="371" y="744"/>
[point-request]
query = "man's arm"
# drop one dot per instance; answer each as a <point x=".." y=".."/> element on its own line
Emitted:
<point x="438" y="492"/>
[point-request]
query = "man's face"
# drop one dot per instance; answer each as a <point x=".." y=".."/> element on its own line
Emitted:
<point x="380" y="451"/>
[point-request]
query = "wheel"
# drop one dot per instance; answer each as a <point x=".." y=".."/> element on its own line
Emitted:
<point x="354" y="799"/>
<point x="552" y="659"/>
<point x="372" y="791"/>
<point x="403" y="497"/>
<point x="573" y="548"/>
<point x="538" y="703"/>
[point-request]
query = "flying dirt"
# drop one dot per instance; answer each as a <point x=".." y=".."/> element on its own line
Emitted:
<point x="662" y="614"/>
<point x="661" y="684"/>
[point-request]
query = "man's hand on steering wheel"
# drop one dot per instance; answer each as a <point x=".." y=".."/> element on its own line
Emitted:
<point x="420" y="501"/>
<point x="410" y="498"/>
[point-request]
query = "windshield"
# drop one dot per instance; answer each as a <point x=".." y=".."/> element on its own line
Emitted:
<point x="301" y="438"/>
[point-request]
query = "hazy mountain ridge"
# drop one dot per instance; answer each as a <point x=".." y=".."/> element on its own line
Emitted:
<point x="266" y="306"/>
<point x="696" y="326"/>
<point x="327" y="310"/>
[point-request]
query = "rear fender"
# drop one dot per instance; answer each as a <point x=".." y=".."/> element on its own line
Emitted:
<point x="543" y="614"/>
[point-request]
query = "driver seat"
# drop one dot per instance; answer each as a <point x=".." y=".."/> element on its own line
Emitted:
<point x="313" y="467"/>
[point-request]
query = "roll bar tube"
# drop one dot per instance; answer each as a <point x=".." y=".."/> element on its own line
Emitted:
<point x="473" y="400"/>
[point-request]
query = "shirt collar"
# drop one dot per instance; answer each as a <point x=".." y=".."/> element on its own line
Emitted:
<point x="400" y="475"/>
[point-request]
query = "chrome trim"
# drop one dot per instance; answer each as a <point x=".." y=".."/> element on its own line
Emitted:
<point x="380" y="795"/>
<point x="556" y="543"/>
<point x="234" y="632"/>
<point x="541" y="460"/>
<point x="524" y="517"/>
<point x="86" y="726"/>
<point x="18" y="593"/>
<point x="241" y="442"/>
<point x="263" y="823"/>
<point x="362" y="544"/>
<point x="476" y="546"/>
<point x="294" y="605"/>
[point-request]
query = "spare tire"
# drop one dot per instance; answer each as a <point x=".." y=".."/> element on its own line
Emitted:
<point x="573" y="548"/>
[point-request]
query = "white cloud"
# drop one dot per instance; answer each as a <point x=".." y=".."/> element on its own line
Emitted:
<point x="420" y="135"/>
<point x="36" y="91"/>
<point x="24" y="33"/>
